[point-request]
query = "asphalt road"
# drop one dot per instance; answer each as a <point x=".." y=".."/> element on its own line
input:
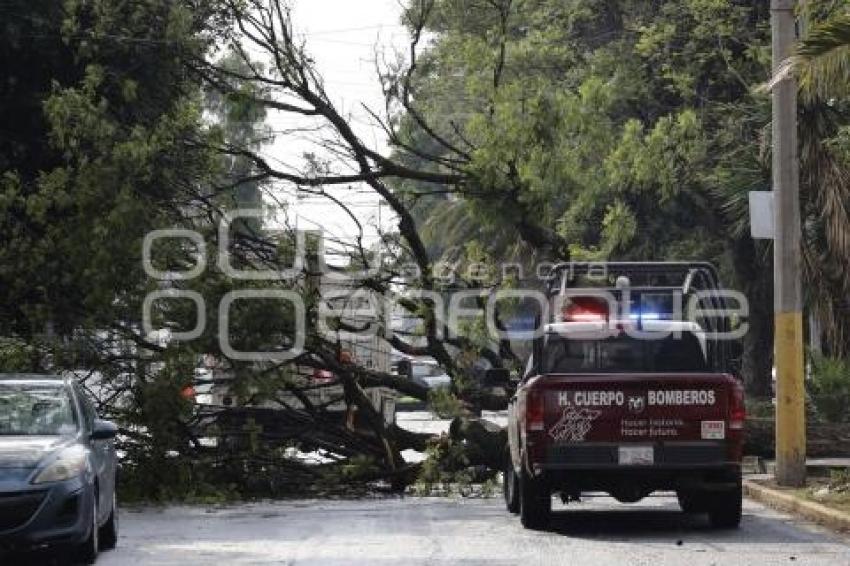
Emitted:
<point x="443" y="531"/>
<point x="440" y="531"/>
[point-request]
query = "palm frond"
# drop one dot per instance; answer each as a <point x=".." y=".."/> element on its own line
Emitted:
<point x="822" y="60"/>
<point x="825" y="192"/>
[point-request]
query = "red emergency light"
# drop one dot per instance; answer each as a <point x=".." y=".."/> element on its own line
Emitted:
<point x="585" y="309"/>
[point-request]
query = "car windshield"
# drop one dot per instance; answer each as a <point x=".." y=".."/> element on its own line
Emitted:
<point x="623" y="354"/>
<point x="36" y="410"/>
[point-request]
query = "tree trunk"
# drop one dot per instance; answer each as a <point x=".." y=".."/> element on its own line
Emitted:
<point x="755" y="280"/>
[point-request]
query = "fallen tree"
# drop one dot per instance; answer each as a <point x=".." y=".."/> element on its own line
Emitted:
<point x="286" y="82"/>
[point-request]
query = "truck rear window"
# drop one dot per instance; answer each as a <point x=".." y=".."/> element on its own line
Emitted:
<point x="623" y="354"/>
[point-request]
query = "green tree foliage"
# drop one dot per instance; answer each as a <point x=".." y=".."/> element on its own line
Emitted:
<point x="830" y="387"/>
<point x="631" y="127"/>
<point x="605" y="107"/>
<point x="239" y="124"/>
<point x="100" y="108"/>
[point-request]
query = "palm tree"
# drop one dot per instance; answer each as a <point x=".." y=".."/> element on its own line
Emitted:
<point x="822" y="60"/>
<point x="822" y="66"/>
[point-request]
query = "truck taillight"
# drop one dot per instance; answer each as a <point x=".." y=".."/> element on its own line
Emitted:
<point x="534" y="411"/>
<point x="737" y="408"/>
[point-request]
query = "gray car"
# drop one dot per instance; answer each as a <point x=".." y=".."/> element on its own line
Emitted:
<point x="429" y="373"/>
<point x="57" y="468"/>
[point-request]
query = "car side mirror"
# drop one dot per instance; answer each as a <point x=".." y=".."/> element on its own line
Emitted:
<point x="497" y="377"/>
<point x="103" y="430"/>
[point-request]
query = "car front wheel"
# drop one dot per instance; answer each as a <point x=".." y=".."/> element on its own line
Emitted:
<point x="109" y="531"/>
<point x="87" y="550"/>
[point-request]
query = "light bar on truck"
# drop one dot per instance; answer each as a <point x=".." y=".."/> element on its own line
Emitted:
<point x="585" y="309"/>
<point x="645" y="316"/>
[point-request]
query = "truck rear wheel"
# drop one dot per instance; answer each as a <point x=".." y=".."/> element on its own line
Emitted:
<point x="725" y="509"/>
<point x="535" y="505"/>
<point x="691" y="501"/>
<point x="510" y="486"/>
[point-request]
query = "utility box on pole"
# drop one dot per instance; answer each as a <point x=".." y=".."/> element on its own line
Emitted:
<point x="761" y="215"/>
<point x="788" y="341"/>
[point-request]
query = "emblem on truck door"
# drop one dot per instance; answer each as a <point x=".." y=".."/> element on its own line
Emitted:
<point x="637" y="404"/>
<point x="573" y="425"/>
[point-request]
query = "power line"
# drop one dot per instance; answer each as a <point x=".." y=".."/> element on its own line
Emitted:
<point x="346" y="30"/>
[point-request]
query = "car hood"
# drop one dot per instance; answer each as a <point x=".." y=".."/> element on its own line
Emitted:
<point x="25" y="452"/>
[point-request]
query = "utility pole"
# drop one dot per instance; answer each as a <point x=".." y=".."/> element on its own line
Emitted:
<point x="788" y="331"/>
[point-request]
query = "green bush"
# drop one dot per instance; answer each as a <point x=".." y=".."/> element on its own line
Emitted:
<point x="839" y="479"/>
<point x="830" y="388"/>
<point x="445" y="468"/>
<point x="444" y="403"/>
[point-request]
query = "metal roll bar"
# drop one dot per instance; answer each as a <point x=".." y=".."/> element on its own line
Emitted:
<point x="686" y="277"/>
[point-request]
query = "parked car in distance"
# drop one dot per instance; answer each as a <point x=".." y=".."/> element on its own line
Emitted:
<point x="57" y="468"/>
<point x="424" y="371"/>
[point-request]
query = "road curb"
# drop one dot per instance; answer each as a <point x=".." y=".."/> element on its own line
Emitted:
<point x="777" y="499"/>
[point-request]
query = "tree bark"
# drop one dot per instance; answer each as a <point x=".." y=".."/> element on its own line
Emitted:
<point x="754" y="278"/>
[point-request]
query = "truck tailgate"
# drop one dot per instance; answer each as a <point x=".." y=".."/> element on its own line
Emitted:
<point x="646" y="419"/>
<point x="635" y="408"/>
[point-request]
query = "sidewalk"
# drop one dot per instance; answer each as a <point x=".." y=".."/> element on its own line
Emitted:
<point x="763" y="488"/>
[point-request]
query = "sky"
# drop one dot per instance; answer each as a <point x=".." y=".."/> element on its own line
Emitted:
<point x="342" y="36"/>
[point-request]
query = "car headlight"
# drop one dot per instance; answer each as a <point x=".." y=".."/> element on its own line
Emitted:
<point x="70" y="463"/>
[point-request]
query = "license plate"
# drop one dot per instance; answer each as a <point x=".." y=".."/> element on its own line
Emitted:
<point x="713" y="430"/>
<point x="636" y="455"/>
